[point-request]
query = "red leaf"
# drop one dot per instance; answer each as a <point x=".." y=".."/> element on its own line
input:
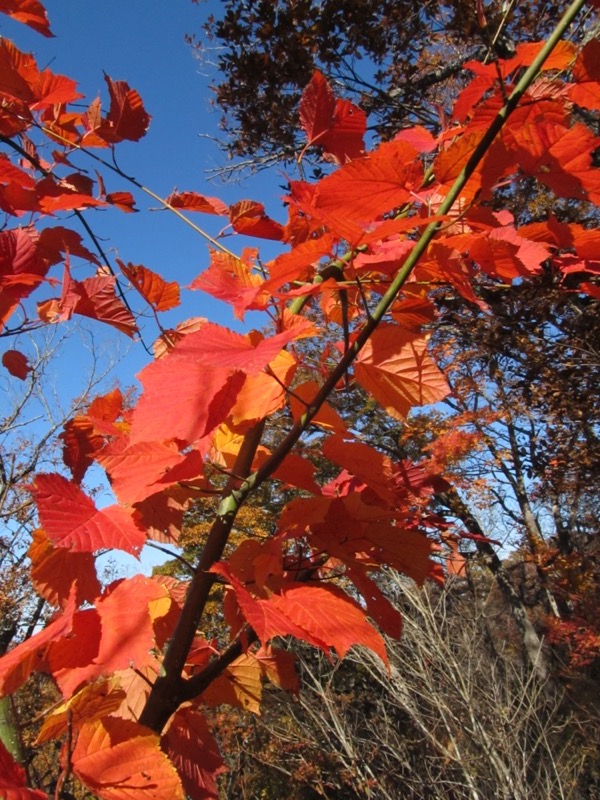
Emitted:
<point x="231" y="279"/>
<point x="71" y="519"/>
<point x="560" y="157"/>
<point x="30" y="12"/>
<point x="193" y="398"/>
<point x="135" y="469"/>
<point x="586" y="74"/>
<point x="13" y="780"/>
<point x="21" y="268"/>
<point x="127" y="118"/>
<point x="192" y="201"/>
<point x="54" y="570"/>
<point x="16" y="363"/>
<point x="336" y="126"/>
<point x="194" y="752"/>
<point x="55" y="242"/>
<point x="120" y="759"/>
<point x="161" y="295"/>
<point x="249" y="218"/>
<point x="215" y="346"/>
<point x="18" y="664"/>
<point x="396" y="369"/>
<point x="322" y="616"/>
<point x="96" y="298"/>
<point x="123" y="200"/>
<point x="129" y="611"/>
<point x="360" y="192"/>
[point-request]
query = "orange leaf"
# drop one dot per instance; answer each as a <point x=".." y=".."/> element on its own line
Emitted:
<point x="120" y="759"/>
<point x="239" y="685"/>
<point x="161" y="295"/>
<point x="94" y="701"/>
<point x="192" y="201"/>
<point x="54" y="569"/>
<point x="395" y="368"/>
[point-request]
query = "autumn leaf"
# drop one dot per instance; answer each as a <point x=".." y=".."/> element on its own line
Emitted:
<point x="71" y="519"/>
<point x="127" y="117"/>
<point x="586" y="74"/>
<point x="361" y="191"/>
<point x="323" y="616"/>
<point x="239" y="685"/>
<point x="395" y="368"/>
<point x="21" y="268"/>
<point x="248" y="217"/>
<point x="30" y="12"/>
<point x="16" y="363"/>
<point x="55" y="569"/>
<point x="120" y="759"/>
<point x="93" y="702"/>
<point x="337" y="126"/>
<point x="192" y="201"/>
<point x="13" y="780"/>
<point x="18" y="664"/>
<point x="194" y="398"/>
<point x="194" y="752"/>
<point x="123" y="200"/>
<point x="161" y="295"/>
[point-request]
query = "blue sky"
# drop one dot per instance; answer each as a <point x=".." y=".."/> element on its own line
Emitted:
<point x="142" y="42"/>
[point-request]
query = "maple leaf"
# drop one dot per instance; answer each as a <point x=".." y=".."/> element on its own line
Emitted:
<point x="194" y="752"/>
<point x="71" y="519"/>
<point x="161" y="295"/>
<point x="13" y="780"/>
<point x="395" y="368"/>
<point x="337" y="126"/>
<point x="30" y="12"/>
<point x="120" y="759"/>
<point x="16" y="363"/>
<point x="18" y="664"/>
